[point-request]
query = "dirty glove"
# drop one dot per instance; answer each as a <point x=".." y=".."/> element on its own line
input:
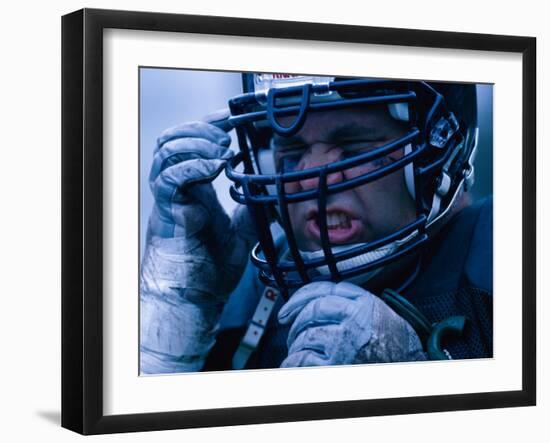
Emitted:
<point x="195" y="253"/>
<point x="341" y="323"/>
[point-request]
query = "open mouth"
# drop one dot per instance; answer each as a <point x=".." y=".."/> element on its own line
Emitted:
<point x="341" y="226"/>
<point x="338" y="220"/>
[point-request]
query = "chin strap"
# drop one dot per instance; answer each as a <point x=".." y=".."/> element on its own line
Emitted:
<point x="360" y="260"/>
<point x="256" y="328"/>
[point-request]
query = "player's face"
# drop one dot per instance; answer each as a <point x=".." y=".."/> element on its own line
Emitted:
<point x="361" y="214"/>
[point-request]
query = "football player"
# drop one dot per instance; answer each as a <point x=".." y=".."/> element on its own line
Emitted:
<point x="355" y="241"/>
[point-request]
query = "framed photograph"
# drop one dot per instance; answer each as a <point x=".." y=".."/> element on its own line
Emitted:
<point x="269" y="221"/>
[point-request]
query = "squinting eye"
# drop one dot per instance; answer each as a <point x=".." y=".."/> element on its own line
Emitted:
<point x="372" y="164"/>
<point x="353" y="150"/>
<point x="380" y="162"/>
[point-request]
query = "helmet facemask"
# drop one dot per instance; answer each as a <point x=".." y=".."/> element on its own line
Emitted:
<point x="431" y="143"/>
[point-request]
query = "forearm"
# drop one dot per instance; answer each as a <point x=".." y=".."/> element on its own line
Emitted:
<point x="177" y="319"/>
<point x="176" y="336"/>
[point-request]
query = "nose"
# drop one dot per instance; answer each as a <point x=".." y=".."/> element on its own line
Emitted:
<point x="317" y="156"/>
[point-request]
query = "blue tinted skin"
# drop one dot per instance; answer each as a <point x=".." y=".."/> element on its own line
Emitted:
<point x="357" y="215"/>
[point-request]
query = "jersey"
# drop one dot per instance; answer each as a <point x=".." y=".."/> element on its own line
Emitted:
<point x="455" y="277"/>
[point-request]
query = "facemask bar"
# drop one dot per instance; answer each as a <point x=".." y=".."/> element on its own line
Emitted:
<point x="293" y="276"/>
<point x="272" y="110"/>
<point x="267" y="257"/>
<point x="340" y="166"/>
<point x="262" y="202"/>
<point x="243" y="113"/>
<point x="286" y="274"/>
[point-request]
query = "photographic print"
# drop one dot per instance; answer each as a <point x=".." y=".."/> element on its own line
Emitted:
<point x="292" y="220"/>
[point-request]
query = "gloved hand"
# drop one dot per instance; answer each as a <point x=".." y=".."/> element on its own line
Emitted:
<point x="195" y="253"/>
<point x="341" y="323"/>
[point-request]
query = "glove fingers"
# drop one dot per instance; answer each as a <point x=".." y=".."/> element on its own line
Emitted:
<point x="322" y="311"/>
<point x="315" y="290"/>
<point x="351" y="291"/>
<point x="183" y="174"/>
<point x="304" y="358"/>
<point x="184" y="149"/>
<point x="196" y="129"/>
<point x="316" y="339"/>
<point x="179" y="213"/>
<point x="301" y="298"/>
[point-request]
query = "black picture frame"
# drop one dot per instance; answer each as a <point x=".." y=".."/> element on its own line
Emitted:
<point x="82" y="218"/>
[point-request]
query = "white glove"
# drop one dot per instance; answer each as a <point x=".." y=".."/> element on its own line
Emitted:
<point x="341" y="323"/>
<point x="195" y="253"/>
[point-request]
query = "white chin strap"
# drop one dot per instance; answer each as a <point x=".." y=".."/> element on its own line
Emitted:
<point x="360" y="260"/>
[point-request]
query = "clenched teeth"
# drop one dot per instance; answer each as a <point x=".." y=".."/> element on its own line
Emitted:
<point x="338" y="220"/>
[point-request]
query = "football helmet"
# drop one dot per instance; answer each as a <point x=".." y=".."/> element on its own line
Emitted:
<point x="438" y="152"/>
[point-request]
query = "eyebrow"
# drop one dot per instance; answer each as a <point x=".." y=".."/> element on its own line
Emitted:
<point x="349" y="131"/>
<point x="354" y="130"/>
